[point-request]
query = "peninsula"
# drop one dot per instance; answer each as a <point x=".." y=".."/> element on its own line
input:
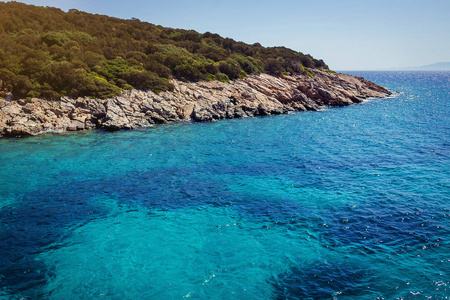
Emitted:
<point x="76" y="71"/>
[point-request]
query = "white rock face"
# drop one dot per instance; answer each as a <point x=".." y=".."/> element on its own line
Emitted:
<point x="258" y="95"/>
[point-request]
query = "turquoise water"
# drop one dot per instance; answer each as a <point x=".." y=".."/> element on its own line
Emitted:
<point x="345" y="203"/>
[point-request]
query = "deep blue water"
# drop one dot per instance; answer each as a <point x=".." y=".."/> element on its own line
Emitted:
<point x="345" y="203"/>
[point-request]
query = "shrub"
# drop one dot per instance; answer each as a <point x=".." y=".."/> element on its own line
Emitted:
<point x="21" y="86"/>
<point x="172" y="61"/>
<point x="7" y="77"/>
<point x="307" y="62"/>
<point x="213" y="53"/>
<point x="91" y="58"/>
<point x="308" y="72"/>
<point x="47" y="92"/>
<point x="145" y="80"/>
<point x="158" y="68"/>
<point x="231" y="68"/>
<point x="273" y="66"/>
<point x="188" y="72"/>
<point x="32" y="66"/>
<point x="222" y="77"/>
<point x="246" y="64"/>
<point x="112" y="68"/>
<point x="212" y="68"/>
<point x="55" y="38"/>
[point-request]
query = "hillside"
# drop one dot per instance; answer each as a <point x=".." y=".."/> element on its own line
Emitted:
<point x="47" y="53"/>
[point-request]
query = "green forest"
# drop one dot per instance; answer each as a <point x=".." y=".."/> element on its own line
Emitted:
<point x="48" y="53"/>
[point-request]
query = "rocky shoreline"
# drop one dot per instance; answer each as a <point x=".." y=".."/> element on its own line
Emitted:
<point x="257" y="95"/>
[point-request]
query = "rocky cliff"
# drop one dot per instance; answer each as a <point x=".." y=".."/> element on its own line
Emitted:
<point x="259" y="95"/>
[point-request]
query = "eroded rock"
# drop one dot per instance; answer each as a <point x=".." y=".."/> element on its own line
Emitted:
<point x="256" y="95"/>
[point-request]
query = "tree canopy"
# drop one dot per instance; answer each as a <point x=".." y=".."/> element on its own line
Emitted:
<point x="48" y="53"/>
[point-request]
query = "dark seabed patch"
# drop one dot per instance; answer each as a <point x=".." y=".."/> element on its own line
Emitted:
<point x="385" y="227"/>
<point x="324" y="281"/>
<point x="38" y="224"/>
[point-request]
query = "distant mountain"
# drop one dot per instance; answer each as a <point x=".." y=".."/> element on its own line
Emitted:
<point x="442" y="66"/>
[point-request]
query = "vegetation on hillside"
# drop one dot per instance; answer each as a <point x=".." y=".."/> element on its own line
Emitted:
<point x="48" y="53"/>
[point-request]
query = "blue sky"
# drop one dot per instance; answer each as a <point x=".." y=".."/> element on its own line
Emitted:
<point x="346" y="34"/>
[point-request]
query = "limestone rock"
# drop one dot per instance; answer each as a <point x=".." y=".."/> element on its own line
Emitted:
<point x="256" y="95"/>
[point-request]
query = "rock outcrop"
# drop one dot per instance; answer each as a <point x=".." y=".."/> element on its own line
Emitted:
<point x="258" y="95"/>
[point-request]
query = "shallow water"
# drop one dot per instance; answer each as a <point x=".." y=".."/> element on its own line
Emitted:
<point x="350" y="203"/>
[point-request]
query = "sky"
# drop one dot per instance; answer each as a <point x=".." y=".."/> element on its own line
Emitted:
<point x="346" y="34"/>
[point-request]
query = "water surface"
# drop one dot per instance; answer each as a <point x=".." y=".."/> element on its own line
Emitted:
<point x="350" y="203"/>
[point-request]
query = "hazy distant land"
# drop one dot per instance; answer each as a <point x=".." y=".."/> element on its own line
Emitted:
<point x="441" y="66"/>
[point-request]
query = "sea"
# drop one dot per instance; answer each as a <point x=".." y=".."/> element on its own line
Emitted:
<point x="342" y="203"/>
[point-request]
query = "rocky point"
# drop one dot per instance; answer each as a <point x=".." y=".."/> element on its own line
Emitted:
<point x="257" y="95"/>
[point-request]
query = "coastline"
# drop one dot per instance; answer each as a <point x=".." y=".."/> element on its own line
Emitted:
<point x="256" y="95"/>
